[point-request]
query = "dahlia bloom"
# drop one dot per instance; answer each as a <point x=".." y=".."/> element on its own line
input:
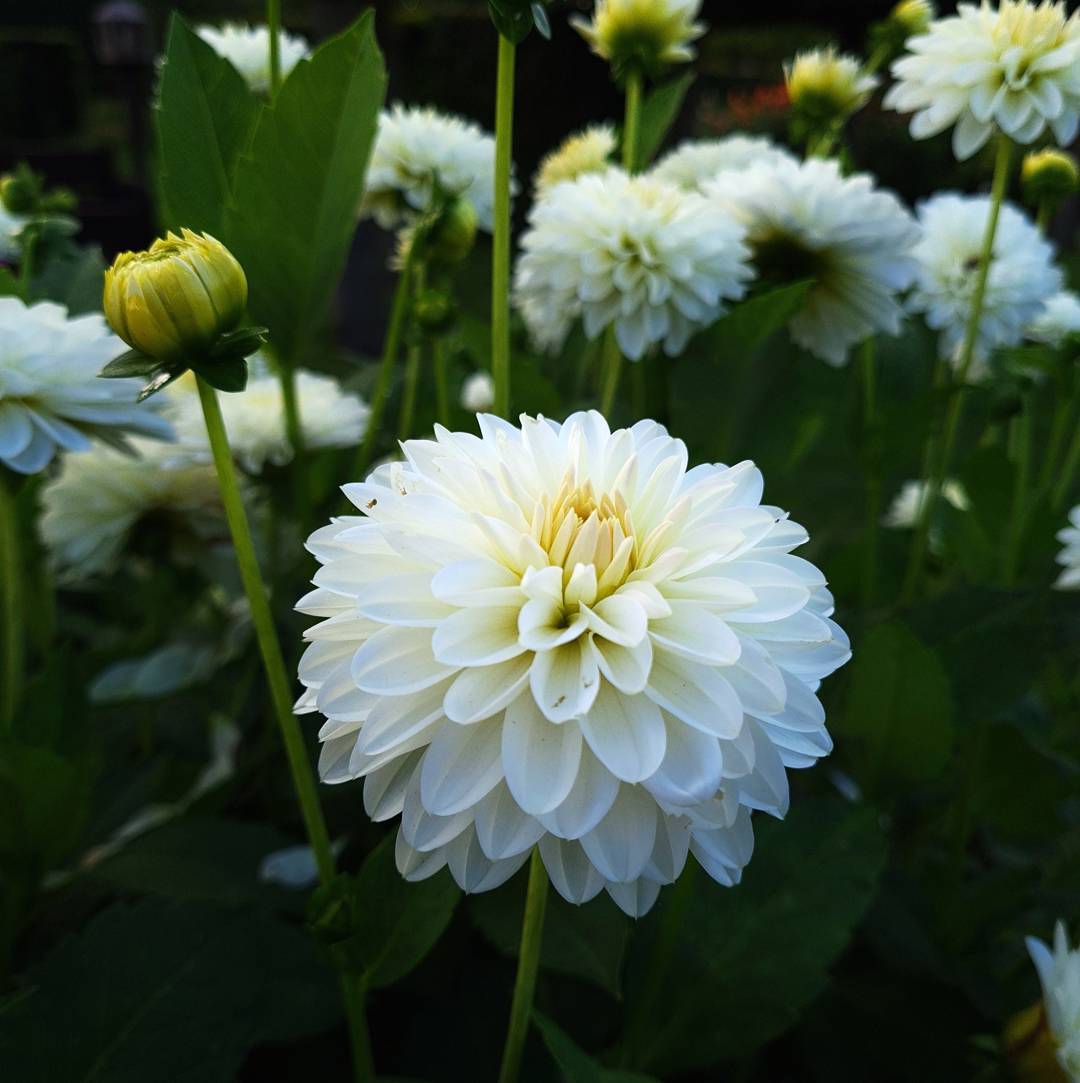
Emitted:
<point x="646" y="34"/>
<point x="247" y="48"/>
<point x="1022" y="274"/>
<point x="1069" y="557"/>
<point x="50" y="396"/>
<point x="1014" y="68"/>
<point x="1058" y="318"/>
<point x="478" y="392"/>
<point x="696" y="161"/>
<point x="852" y="240"/>
<point x="653" y="260"/>
<point x="419" y="154"/>
<point x="587" y="151"/>
<point x="1059" y="976"/>
<point x="559" y="635"/>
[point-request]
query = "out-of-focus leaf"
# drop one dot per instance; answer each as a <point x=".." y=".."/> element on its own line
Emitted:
<point x="514" y="19"/>
<point x="745" y="961"/>
<point x="659" y="112"/>
<point x="164" y="991"/>
<point x="575" y="1065"/>
<point x="751" y="322"/>
<point x="899" y="709"/>
<point x="163" y="672"/>
<point x="298" y="187"/>
<point x="74" y="277"/>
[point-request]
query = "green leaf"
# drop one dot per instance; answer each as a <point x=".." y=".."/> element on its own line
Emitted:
<point x="899" y="710"/>
<point x="225" y="373"/>
<point x="74" y="277"/>
<point x="574" y="1063"/>
<point x="659" y="112"/>
<point x="162" y="672"/>
<point x="164" y="991"/>
<point x="131" y="363"/>
<point x="205" y="118"/>
<point x="743" y="962"/>
<point x="748" y="325"/>
<point x="240" y="343"/>
<point x="298" y="189"/>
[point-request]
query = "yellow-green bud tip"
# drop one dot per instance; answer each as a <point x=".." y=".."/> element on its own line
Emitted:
<point x="825" y="86"/>
<point x="176" y="298"/>
<point x="588" y="151"/>
<point x="1049" y="176"/>
<point x="646" y="35"/>
<point x="913" y="16"/>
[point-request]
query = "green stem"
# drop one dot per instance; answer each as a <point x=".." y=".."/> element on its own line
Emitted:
<point x="954" y="410"/>
<point x="1068" y="473"/>
<point x="391" y="348"/>
<point x="26" y="260"/>
<point x="500" y="247"/>
<point x="532" y="928"/>
<point x="413" y="358"/>
<point x="612" y="369"/>
<point x="273" y="26"/>
<point x="354" y="993"/>
<point x="1014" y="536"/>
<point x="1044" y="218"/>
<point x="294" y="432"/>
<point x="632" y="123"/>
<point x="868" y="371"/>
<point x="11" y="673"/>
<point x="442" y="388"/>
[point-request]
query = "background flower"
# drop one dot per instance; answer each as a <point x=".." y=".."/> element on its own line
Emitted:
<point x="649" y="34"/>
<point x="696" y="161"/>
<point x="903" y="512"/>
<point x="1059" y="975"/>
<point x="588" y="151"/>
<point x="247" y="48"/>
<point x="478" y="392"/>
<point x="1058" y="318"/>
<point x="1069" y="557"/>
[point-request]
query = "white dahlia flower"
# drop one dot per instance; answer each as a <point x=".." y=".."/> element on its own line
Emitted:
<point x="97" y="498"/>
<point x="587" y="151"/>
<point x="1059" y="976"/>
<point x="420" y="153"/>
<point x="696" y="161"/>
<point x="1014" y="68"/>
<point x="478" y="392"/>
<point x="903" y="512"/>
<point x="1057" y="320"/>
<point x="255" y="418"/>
<point x="51" y="398"/>
<point x="560" y="635"/>
<point x="1069" y="557"/>
<point x="653" y="260"/>
<point x="247" y="48"/>
<point x="806" y="220"/>
<point x="1022" y="273"/>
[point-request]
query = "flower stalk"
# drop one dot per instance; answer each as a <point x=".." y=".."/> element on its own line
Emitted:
<point x="868" y="374"/>
<point x="413" y="360"/>
<point x="500" y="249"/>
<point x="1021" y="440"/>
<point x="11" y="670"/>
<point x="273" y="25"/>
<point x="442" y="388"/>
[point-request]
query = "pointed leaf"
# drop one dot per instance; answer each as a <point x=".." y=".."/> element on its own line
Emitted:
<point x="659" y="112"/>
<point x="131" y="363"/>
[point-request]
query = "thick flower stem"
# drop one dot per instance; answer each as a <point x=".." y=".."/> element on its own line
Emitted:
<point x="631" y="136"/>
<point x="941" y="460"/>
<point x="442" y="388"/>
<point x="612" y="370"/>
<point x="871" y="460"/>
<point x="500" y="247"/>
<point x="532" y="928"/>
<point x="1044" y="217"/>
<point x="273" y="26"/>
<point x="295" y="433"/>
<point x="11" y="671"/>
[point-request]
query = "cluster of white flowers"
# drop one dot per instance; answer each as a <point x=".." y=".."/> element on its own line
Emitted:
<point x="1059" y="975"/>
<point x="1069" y="557"/>
<point x="853" y="241"/>
<point x="420" y="153"/>
<point x="561" y="635"/>
<point x="51" y="398"/>
<point x="1022" y="276"/>
<point x="693" y="163"/>
<point x="636" y="253"/>
<point x="247" y="48"/>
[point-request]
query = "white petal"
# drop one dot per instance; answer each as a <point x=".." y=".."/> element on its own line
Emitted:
<point x="635" y="899"/>
<point x="540" y="758"/>
<point x="571" y="873"/>
<point x="565" y="681"/>
<point x="477" y="583"/>
<point x="618" y="619"/>
<point x="384" y="789"/>
<point x="478" y="637"/>
<point x="697" y="634"/>
<point x="485" y="690"/>
<point x="621" y="843"/>
<point x="626" y="733"/>
<point x="403" y="600"/>
<point x="503" y="829"/>
<point x="627" y="668"/>
<point x="462" y="764"/>
<point x="692" y="768"/>
<point x="397" y="660"/>
<point x="697" y="694"/>
<point x="473" y="870"/>
<point x="414" y="864"/>
<point x="593" y="793"/>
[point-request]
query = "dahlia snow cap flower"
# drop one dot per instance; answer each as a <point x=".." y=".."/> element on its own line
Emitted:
<point x="330" y="417"/>
<point x="1058" y="319"/>
<point x="421" y="154"/>
<point x="1059" y="976"/>
<point x="247" y="48"/>
<point x="696" y="161"/>
<point x="1069" y="557"/>
<point x="587" y="151"/>
<point x="1022" y="274"/>
<point x="560" y="635"/>
<point x="1014" y="68"/>
<point x="805" y="220"/>
<point x="647" y="35"/>
<point x="656" y="262"/>
<point x="50" y="396"/>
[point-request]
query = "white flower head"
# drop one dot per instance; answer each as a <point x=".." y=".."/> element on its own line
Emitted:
<point x="587" y="151"/>
<point x="51" y="398"/>
<point x="247" y="48"/>
<point x="1059" y="976"/>
<point x="645" y="34"/>
<point x="478" y="392"/>
<point x="561" y="635"/>
<point x="1013" y="68"/>
<point x="904" y="511"/>
<point x="656" y="262"/>
<point x="696" y="161"/>
<point x="95" y="500"/>
<point x="255" y="418"/>
<point x="1069" y="557"/>
<point x="1058" y="318"/>
<point x="421" y="153"/>
<point x="854" y="241"/>
<point x="1022" y="274"/>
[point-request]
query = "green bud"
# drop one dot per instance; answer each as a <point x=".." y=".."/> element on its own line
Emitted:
<point x="453" y="233"/>
<point x="19" y="193"/>
<point x="434" y="311"/>
<point x="1049" y="176"/>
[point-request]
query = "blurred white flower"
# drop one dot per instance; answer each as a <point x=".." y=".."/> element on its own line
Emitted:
<point x="653" y="260"/>
<point x="51" y="398"/>
<point x="1013" y="68"/>
<point x="247" y="48"/>
<point x="806" y="220"/>
<point x="646" y="34"/>
<point x="98" y="497"/>
<point x="561" y="635"/>
<point x="1059" y="976"/>
<point x="1022" y="273"/>
<point x="478" y="392"/>
<point x="696" y="161"/>
<point x="420" y="153"/>
<point x="588" y="151"/>
<point x="826" y="86"/>
<point x="1058" y="318"/>
<point x="255" y="418"/>
<point x="10" y="225"/>
<point x="1069" y="557"/>
<point x="904" y="511"/>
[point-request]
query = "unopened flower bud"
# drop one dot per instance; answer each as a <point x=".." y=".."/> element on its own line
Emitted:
<point x="646" y="35"/>
<point x="453" y="234"/>
<point x="826" y="87"/>
<point x="177" y="298"/>
<point x="913" y="16"/>
<point x="18" y="194"/>
<point x="434" y="311"/>
<point x="1049" y="176"/>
